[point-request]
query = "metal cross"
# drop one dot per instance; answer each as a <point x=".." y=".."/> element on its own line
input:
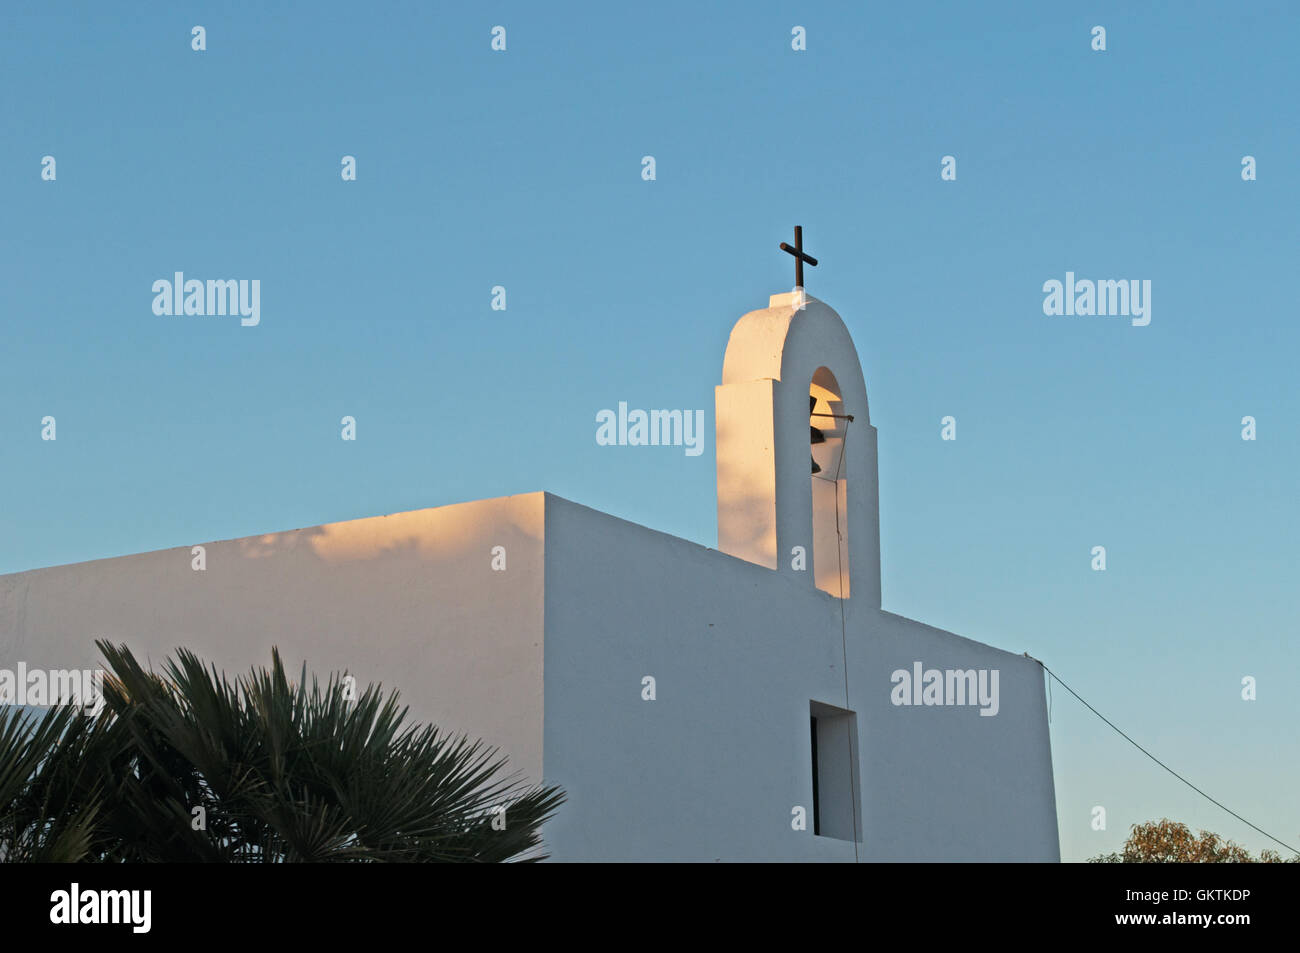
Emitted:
<point x="799" y="256"/>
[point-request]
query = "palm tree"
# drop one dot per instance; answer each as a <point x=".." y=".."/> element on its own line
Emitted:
<point x="49" y="798"/>
<point x="188" y="766"/>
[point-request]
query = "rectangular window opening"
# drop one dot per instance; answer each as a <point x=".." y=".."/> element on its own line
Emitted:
<point x="817" y="828"/>
<point x="836" y="804"/>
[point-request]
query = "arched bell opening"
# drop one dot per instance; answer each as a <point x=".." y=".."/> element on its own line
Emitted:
<point x="828" y="430"/>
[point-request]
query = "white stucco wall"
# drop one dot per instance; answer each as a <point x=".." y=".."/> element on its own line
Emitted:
<point x="946" y="783"/>
<point x="409" y="600"/>
<point x="546" y="661"/>
<point x="711" y="769"/>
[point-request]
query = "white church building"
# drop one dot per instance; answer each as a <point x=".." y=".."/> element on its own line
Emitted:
<point x="753" y="702"/>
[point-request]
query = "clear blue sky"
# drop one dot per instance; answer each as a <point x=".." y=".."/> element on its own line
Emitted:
<point x="523" y="169"/>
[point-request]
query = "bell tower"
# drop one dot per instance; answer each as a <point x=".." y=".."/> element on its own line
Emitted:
<point x="797" y="476"/>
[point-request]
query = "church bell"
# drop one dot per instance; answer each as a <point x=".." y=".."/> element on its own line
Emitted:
<point x="817" y="435"/>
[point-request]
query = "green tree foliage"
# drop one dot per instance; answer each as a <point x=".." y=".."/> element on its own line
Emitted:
<point x="1170" y="842"/>
<point x="188" y="766"/>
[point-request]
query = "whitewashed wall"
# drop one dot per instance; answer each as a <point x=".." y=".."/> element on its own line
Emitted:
<point x="711" y="769"/>
<point x="409" y="600"/>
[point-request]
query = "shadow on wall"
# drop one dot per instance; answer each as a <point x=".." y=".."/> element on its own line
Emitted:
<point x="330" y="591"/>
